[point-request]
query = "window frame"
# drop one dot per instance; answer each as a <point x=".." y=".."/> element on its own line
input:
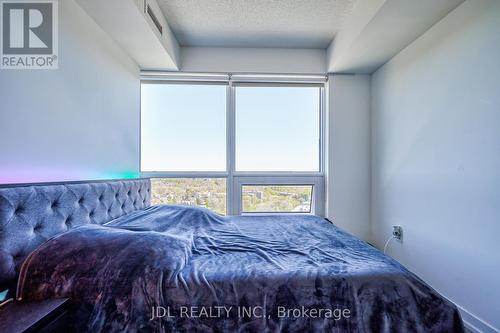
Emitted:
<point x="180" y="173"/>
<point x="320" y="125"/>
<point x="236" y="179"/>
<point x="317" y="199"/>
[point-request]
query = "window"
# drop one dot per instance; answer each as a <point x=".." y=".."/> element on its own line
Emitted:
<point x="203" y="192"/>
<point x="277" y="198"/>
<point x="234" y="146"/>
<point x="277" y="128"/>
<point x="183" y="127"/>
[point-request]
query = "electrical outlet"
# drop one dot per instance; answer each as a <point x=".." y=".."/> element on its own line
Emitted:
<point x="397" y="232"/>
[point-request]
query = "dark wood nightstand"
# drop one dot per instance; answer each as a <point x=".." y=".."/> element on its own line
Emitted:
<point x="34" y="316"/>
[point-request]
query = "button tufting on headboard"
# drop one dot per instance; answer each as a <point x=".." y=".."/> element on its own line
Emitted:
<point x="31" y="214"/>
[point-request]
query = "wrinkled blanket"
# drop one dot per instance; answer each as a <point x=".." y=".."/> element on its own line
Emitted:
<point x="183" y="269"/>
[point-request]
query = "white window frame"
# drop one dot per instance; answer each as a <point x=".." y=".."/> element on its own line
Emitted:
<point x="317" y="183"/>
<point x="236" y="179"/>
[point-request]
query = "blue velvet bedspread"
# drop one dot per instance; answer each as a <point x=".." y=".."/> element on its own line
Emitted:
<point x="181" y="269"/>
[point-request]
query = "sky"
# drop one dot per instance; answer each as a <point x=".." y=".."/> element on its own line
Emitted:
<point x="183" y="128"/>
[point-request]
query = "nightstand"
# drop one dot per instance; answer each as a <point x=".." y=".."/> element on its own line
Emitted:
<point x="34" y="316"/>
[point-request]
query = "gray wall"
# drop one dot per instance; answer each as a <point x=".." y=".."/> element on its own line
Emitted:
<point x="78" y="122"/>
<point x="348" y="176"/>
<point x="436" y="158"/>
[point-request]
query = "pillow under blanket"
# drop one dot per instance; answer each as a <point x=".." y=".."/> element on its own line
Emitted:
<point x="118" y="269"/>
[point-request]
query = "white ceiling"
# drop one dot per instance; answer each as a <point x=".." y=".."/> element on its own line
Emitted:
<point x="378" y="29"/>
<point x="367" y="33"/>
<point x="256" y="23"/>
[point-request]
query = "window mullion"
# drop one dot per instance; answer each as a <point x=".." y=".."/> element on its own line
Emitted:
<point x="230" y="155"/>
<point x="322" y="130"/>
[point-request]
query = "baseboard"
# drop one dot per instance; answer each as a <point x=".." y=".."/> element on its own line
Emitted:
<point x="475" y="324"/>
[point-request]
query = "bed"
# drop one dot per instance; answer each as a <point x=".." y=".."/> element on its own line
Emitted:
<point x="135" y="267"/>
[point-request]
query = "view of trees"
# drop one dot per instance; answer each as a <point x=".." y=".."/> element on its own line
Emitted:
<point x="277" y="198"/>
<point x="204" y="192"/>
<point x="211" y="193"/>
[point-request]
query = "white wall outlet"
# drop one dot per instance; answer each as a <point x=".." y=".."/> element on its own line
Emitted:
<point x="397" y="232"/>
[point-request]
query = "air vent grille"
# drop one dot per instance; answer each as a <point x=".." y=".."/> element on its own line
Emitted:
<point x="155" y="19"/>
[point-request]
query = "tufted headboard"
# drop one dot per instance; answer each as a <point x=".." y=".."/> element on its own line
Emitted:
<point x="29" y="215"/>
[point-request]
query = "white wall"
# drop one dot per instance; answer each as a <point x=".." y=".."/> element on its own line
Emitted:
<point x="254" y="60"/>
<point x="436" y="158"/>
<point x="78" y="122"/>
<point x="348" y="177"/>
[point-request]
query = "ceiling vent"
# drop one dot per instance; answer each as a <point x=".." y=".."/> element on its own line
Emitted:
<point x="153" y="17"/>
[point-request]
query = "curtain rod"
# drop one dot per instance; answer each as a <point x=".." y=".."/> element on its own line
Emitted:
<point x="234" y="77"/>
